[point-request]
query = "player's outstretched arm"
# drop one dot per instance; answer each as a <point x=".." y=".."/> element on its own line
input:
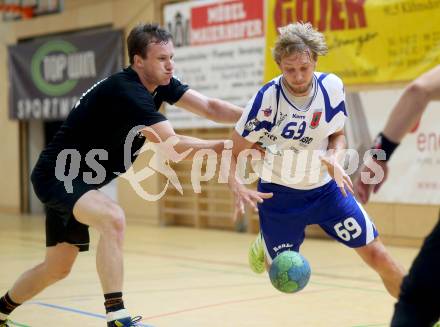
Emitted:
<point x="211" y="108"/>
<point x="404" y="117"/>
<point x="242" y="195"/>
<point x="178" y="147"/>
<point x="412" y="104"/>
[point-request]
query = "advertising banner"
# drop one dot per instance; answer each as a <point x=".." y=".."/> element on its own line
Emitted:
<point x="48" y="75"/>
<point x="413" y="169"/>
<point x="370" y="41"/>
<point x="219" y="51"/>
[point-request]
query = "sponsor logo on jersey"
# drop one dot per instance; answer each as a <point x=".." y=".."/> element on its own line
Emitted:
<point x="267" y="112"/>
<point x="294" y="149"/>
<point x="281" y="118"/>
<point x="294" y="115"/>
<point x="273" y="149"/>
<point x="270" y="136"/>
<point x="315" y="119"/>
<point x="305" y="141"/>
<point x="251" y="124"/>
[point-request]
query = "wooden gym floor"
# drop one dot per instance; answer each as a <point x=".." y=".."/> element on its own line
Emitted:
<point x="177" y="276"/>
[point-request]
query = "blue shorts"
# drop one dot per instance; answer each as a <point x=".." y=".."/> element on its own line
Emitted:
<point x="284" y="217"/>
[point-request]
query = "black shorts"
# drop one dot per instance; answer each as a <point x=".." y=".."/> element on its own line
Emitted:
<point x="61" y="225"/>
<point x="72" y="232"/>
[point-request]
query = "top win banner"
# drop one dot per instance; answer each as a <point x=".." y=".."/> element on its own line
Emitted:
<point x="370" y="41"/>
<point x="219" y="51"/>
<point x="48" y="75"/>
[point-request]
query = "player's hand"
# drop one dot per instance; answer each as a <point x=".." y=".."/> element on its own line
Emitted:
<point x="365" y="183"/>
<point x="244" y="196"/>
<point x="338" y="174"/>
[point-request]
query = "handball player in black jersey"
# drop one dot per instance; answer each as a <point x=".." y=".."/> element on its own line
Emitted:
<point x="418" y="303"/>
<point x="88" y="150"/>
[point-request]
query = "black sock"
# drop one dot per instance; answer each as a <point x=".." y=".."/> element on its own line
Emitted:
<point x="113" y="302"/>
<point x="7" y="305"/>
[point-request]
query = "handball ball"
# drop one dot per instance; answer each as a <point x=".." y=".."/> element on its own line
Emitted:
<point x="289" y="272"/>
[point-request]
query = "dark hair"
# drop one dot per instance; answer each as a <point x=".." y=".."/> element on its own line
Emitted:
<point x="142" y="35"/>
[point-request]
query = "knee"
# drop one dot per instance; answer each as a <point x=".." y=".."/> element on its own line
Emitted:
<point x="378" y="257"/>
<point x="114" y="220"/>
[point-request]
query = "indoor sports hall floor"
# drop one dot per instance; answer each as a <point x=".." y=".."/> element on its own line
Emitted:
<point x="177" y="276"/>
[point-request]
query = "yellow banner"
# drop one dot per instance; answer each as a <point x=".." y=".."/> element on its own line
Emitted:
<point x="370" y="41"/>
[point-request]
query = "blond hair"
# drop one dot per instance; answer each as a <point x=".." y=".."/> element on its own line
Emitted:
<point x="299" y="37"/>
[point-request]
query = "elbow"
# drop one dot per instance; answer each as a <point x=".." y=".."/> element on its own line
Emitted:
<point x="418" y="91"/>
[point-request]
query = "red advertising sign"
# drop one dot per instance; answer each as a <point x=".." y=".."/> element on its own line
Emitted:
<point x="227" y="21"/>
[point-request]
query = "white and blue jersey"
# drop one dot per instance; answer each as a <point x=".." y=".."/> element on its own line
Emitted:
<point x="285" y="130"/>
<point x="294" y="137"/>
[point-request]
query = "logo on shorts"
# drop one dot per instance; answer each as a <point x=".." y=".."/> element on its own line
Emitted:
<point x="283" y="246"/>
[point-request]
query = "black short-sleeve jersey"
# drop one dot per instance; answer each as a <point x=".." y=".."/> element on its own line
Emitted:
<point x="103" y="118"/>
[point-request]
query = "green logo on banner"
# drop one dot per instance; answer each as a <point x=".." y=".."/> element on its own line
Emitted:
<point x="48" y="66"/>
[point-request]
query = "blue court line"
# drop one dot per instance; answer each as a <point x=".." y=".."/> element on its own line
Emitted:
<point x="14" y="323"/>
<point x="84" y="313"/>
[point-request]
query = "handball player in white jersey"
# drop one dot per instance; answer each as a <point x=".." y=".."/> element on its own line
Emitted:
<point x="298" y="118"/>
